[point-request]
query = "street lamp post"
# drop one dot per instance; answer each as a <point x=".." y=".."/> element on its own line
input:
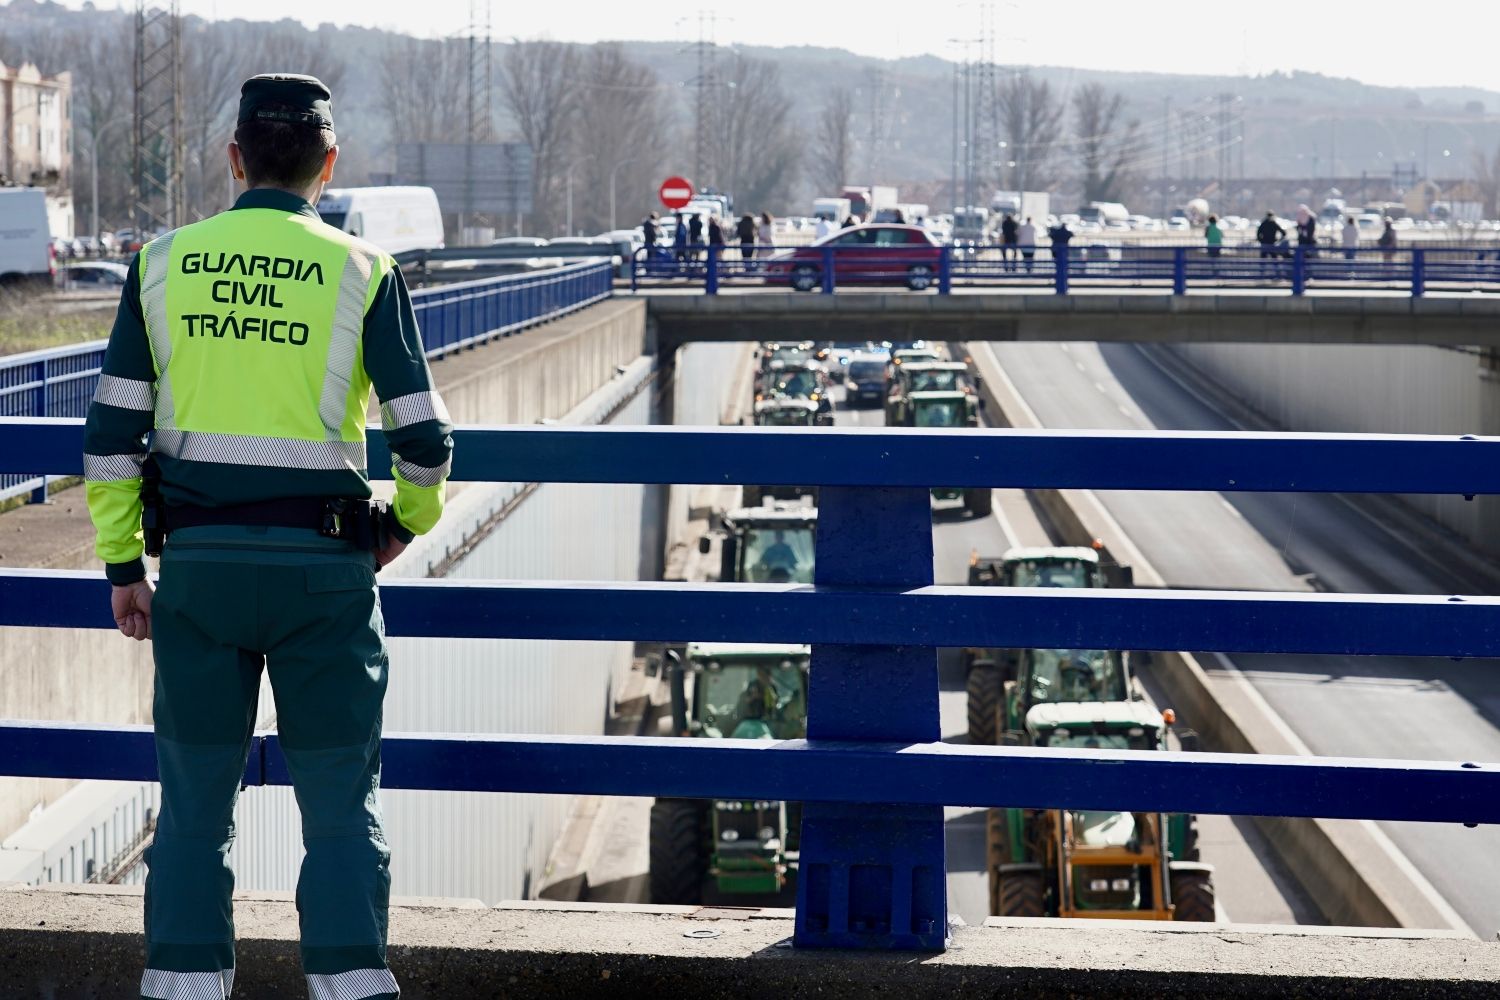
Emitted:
<point x="94" y="172"/>
<point x="612" y="172"/>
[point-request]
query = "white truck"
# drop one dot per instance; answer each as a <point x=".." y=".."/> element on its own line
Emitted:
<point x="395" y="219"/>
<point x="866" y="202"/>
<point x="1022" y="204"/>
<point x="835" y="210"/>
<point x="1104" y="214"/>
<point x="25" y="241"/>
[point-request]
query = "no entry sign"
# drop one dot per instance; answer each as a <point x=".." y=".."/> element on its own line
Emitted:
<point x="675" y="192"/>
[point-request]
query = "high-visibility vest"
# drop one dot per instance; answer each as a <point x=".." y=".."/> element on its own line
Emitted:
<point x="255" y="320"/>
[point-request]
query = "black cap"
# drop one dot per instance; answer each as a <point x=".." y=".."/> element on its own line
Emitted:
<point x="302" y="99"/>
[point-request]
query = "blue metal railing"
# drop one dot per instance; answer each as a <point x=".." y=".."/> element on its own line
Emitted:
<point x="873" y="772"/>
<point x="60" y="381"/>
<point x="1175" y="269"/>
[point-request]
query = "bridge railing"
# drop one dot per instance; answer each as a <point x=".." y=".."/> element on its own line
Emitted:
<point x="1086" y="262"/>
<point x="873" y="772"/>
<point x="60" y="381"/>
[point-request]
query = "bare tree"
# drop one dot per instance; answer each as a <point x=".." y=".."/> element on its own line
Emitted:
<point x="102" y="110"/>
<point x="758" y="146"/>
<point x="421" y="81"/>
<point x="834" y="147"/>
<point x="1030" y="117"/>
<point x="1105" y="146"/>
<point x="621" y="112"/>
<point x="538" y="81"/>
<point x="1487" y="180"/>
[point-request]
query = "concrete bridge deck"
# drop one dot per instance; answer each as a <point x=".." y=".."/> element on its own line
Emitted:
<point x="74" y="942"/>
<point x="1249" y="316"/>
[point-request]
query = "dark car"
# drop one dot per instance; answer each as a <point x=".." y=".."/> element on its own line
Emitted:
<point x="865" y="380"/>
<point x="872" y="255"/>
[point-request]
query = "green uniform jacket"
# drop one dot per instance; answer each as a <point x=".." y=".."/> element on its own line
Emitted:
<point x="245" y="348"/>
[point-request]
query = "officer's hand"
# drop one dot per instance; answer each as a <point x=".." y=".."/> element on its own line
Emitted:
<point x="393" y="548"/>
<point x="131" y="605"/>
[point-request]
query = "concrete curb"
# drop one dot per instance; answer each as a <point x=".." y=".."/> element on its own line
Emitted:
<point x="1345" y="866"/>
<point x="66" y="945"/>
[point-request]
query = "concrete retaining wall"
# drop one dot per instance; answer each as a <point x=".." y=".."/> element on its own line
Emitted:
<point x="1367" y="389"/>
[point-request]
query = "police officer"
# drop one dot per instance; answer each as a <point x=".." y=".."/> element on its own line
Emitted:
<point x="240" y="367"/>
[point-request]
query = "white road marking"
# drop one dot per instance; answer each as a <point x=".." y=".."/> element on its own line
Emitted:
<point x="1065" y="348"/>
<point x="1012" y="540"/>
<point x="1124" y="412"/>
<point x="1394" y="854"/>
<point x="1078" y="365"/>
<point x="1100" y="387"/>
<point x="1231" y="508"/>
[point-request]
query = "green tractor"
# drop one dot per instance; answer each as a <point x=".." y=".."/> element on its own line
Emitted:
<point x="920" y="376"/>
<point x="786" y="411"/>
<point x="1092" y="863"/>
<point x="774" y="543"/>
<point x="735" y="691"/>
<point x="768" y="354"/>
<point x="951" y="408"/>
<point x="1002" y="684"/>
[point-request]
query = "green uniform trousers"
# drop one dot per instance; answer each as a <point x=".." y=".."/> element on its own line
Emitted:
<point x="231" y="600"/>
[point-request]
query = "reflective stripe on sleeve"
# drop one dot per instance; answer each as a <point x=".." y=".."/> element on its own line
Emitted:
<point x="271" y="452"/>
<point x="356" y="984"/>
<point x="126" y="393"/>
<point x="343" y="342"/>
<point x="112" y="468"/>
<point x="403" y="411"/>
<point x="421" y="475"/>
<point x="162" y="985"/>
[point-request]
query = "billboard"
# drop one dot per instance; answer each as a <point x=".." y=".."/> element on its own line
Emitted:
<point x="488" y="177"/>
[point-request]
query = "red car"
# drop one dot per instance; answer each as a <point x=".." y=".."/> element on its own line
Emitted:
<point x="877" y="254"/>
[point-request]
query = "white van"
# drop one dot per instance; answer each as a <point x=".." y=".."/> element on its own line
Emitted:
<point x="25" y="241"/>
<point x="395" y="219"/>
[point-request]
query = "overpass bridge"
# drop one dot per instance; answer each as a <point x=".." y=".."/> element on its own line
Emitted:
<point x="699" y="456"/>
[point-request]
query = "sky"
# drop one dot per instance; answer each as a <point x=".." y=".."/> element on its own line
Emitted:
<point x="1436" y="43"/>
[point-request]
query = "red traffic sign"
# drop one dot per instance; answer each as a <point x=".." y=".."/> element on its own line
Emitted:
<point x="675" y="192"/>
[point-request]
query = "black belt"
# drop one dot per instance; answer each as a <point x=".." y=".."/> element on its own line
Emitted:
<point x="361" y="522"/>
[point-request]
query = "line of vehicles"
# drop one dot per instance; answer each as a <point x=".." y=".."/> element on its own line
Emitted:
<point x="1040" y="863"/>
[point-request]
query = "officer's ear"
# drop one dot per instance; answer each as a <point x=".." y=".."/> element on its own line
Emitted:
<point x="236" y="161"/>
<point x="329" y="159"/>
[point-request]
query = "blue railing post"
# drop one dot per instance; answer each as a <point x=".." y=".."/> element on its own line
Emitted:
<point x="637" y="259"/>
<point x="945" y="270"/>
<point x="828" y="283"/>
<point x="40" y="408"/>
<point x="711" y="276"/>
<point x="872" y="876"/>
<point x="1060" y="268"/>
<point x="1418" y="272"/>
<point x="1299" y="271"/>
<point x="1179" y="270"/>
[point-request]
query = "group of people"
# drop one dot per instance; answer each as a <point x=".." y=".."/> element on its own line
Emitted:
<point x="1018" y="240"/>
<point x="692" y="233"/>
<point x="1272" y="237"/>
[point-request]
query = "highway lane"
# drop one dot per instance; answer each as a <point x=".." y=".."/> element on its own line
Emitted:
<point x="1404" y="707"/>
<point x="1252" y="885"/>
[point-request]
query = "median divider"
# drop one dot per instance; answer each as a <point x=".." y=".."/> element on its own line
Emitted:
<point x="1349" y="868"/>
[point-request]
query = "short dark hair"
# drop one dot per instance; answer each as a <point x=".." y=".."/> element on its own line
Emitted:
<point x="280" y="153"/>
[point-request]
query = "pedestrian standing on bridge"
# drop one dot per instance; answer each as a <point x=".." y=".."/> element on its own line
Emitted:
<point x="1026" y="240"/>
<point x="1307" y="231"/>
<point x="1213" y="236"/>
<point x="1268" y="234"/>
<point x="745" y="230"/>
<point x="1350" y="237"/>
<point x="765" y="232"/>
<point x="648" y="230"/>
<point x="1008" y="237"/>
<point x="695" y="234"/>
<point x="244" y="349"/>
<point x="823" y="228"/>
<point x="680" y="241"/>
<point x="1387" y="241"/>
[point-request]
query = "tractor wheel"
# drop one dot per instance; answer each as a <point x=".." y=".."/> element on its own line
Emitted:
<point x="1022" y="893"/>
<point x="1193" y="895"/>
<point x="996" y="851"/>
<point x="983" y="696"/>
<point x="679" y="860"/>
<point x="979" y="501"/>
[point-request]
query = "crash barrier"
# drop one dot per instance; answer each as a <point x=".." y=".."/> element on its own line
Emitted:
<point x="60" y="381"/>
<point x="873" y="772"/>
<point x="1174" y="269"/>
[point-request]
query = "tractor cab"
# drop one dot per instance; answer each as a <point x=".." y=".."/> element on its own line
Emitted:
<point x="913" y="378"/>
<point x="774" y="543"/>
<point x="797" y="380"/>
<point x="1097" y="863"/>
<point x="945" y="409"/>
<point x="786" y="411"/>
<point x="743" y="691"/>
<point x="769" y="354"/>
